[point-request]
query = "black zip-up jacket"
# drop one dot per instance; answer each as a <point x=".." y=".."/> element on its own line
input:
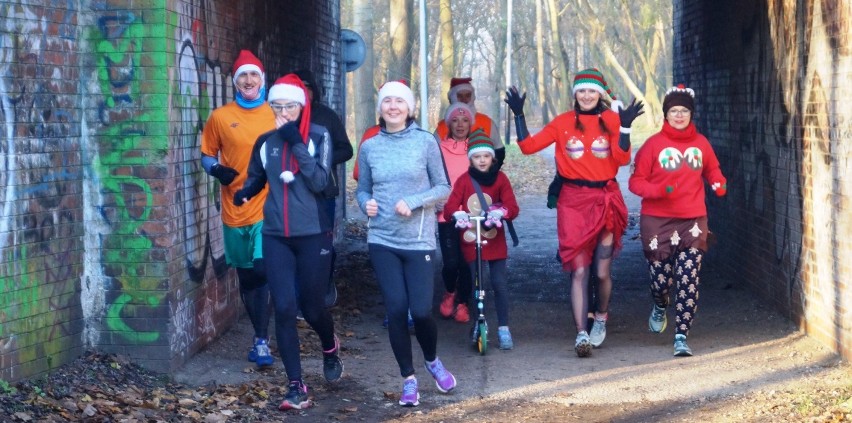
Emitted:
<point x="297" y="208"/>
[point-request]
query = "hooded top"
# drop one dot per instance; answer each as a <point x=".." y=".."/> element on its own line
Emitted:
<point x="404" y="165"/>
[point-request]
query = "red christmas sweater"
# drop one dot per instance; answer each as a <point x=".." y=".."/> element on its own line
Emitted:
<point x="463" y="197"/>
<point x="591" y="155"/>
<point x="669" y="173"/>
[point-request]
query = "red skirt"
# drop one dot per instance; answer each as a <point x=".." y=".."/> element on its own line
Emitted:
<point x="583" y="214"/>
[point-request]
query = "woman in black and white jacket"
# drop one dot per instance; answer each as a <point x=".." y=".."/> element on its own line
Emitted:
<point x="296" y="161"/>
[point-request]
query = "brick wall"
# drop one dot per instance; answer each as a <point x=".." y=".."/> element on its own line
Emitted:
<point x="771" y="82"/>
<point x="110" y="236"/>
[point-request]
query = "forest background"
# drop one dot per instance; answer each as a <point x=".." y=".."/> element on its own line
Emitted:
<point x="629" y="41"/>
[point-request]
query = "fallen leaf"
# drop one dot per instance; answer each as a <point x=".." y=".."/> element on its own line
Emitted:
<point x="23" y="416"/>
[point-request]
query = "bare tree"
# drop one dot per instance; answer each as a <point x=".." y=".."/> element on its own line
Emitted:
<point x="364" y="85"/>
<point x="400" y="35"/>
<point x="448" y="63"/>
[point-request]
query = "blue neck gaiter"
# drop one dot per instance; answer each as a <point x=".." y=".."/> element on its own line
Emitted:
<point x="246" y="104"/>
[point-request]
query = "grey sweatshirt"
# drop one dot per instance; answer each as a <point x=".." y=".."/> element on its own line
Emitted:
<point x="404" y="165"/>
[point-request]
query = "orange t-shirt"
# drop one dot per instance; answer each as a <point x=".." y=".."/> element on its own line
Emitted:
<point x="230" y="134"/>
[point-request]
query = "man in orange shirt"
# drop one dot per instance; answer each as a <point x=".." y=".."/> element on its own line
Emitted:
<point x="461" y="90"/>
<point x="226" y="145"/>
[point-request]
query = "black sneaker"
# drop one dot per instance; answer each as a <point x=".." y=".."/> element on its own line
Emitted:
<point x="296" y="398"/>
<point x="332" y="367"/>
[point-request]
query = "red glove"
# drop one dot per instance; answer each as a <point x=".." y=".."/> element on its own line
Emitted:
<point x="719" y="188"/>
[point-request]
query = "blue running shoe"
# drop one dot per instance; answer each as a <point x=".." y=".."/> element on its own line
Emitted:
<point x="263" y="357"/>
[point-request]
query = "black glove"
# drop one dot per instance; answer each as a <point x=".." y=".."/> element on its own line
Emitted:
<point x="224" y="174"/>
<point x="630" y="113"/>
<point x="238" y="197"/>
<point x="290" y="133"/>
<point x="515" y="100"/>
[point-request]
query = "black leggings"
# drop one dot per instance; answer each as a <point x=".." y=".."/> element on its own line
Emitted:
<point x="455" y="271"/>
<point x="684" y="270"/>
<point x="304" y="260"/>
<point x="406" y="278"/>
<point x="497" y="273"/>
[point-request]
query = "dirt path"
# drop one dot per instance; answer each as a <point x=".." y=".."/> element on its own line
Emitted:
<point x="750" y="363"/>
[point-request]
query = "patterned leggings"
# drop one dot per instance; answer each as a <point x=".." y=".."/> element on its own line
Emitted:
<point x="684" y="267"/>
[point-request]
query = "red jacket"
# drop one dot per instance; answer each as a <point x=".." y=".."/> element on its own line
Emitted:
<point x="499" y="192"/>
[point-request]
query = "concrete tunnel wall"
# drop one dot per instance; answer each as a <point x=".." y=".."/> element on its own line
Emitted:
<point x="110" y="235"/>
<point x="772" y="82"/>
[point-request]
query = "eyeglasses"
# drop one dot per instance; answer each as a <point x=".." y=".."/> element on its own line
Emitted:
<point x="277" y="108"/>
<point x="679" y="112"/>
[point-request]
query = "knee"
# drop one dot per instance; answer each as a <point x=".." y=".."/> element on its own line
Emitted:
<point x="249" y="280"/>
<point x="259" y="268"/>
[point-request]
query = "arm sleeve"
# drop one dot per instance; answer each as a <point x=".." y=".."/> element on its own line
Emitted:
<point x="437" y="179"/>
<point x="454" y="202"/>
<point x="495" y="137"/>
<point x="507" y="196"/>
<point x="639" y="183"/>
<point x="342" y="145"/>
<point x="364" y="190"/>
<point x="539" y="141"/>
<point x="315" y="170"/>
<point x="256" y="177"/>
<point x="207" y="162"/>
<point x="712" y="170"/>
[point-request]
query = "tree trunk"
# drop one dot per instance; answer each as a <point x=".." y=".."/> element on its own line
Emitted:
<point x="448" y="64"/>
<point x="363" y="85"/>
<point x="539" y="48"/>
<point x="560" y="57"/>
<point x="400" y="37"/>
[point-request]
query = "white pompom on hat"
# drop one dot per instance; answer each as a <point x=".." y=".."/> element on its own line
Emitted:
<point x="396" y="89"/>
<point x="247" y="62"/>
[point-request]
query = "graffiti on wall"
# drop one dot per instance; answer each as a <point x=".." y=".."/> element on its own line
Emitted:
<point x="39" y="175"/>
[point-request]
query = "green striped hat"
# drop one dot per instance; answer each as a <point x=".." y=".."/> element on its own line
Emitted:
<point x="591" y="78"/>
<point x="478" y="142"/>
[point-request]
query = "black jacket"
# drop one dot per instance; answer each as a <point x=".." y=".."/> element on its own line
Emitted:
<point x="298" y="208"/>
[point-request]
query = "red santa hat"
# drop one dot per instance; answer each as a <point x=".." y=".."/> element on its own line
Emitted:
<point x="460" y="84"/>
<point x="288" y="87"/>
<point x="247" y="62"/>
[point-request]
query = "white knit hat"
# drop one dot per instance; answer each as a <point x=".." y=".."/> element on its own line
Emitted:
<point x="396" y="89"/>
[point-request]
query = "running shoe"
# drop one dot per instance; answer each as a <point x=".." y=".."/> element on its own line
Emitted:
<point x="410" y="397"/>
<point x="296" y="398"/>
<point x="252" y="354"/>
<point x="444" y="380"/>
<point x="680" y="347"/>
<point x="598" y="333"/>
<point x="263" y="357"/>
<point x="505" y="338"/>
<point x="332" y="367"/>
<point x="657" y="321"/>
<point x="582" y="346"/>
<point x="462" y="314"/>
<point x="448" y="305"/>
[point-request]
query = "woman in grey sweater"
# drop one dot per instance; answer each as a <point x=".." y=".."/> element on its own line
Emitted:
<point x="401" y="180"/>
